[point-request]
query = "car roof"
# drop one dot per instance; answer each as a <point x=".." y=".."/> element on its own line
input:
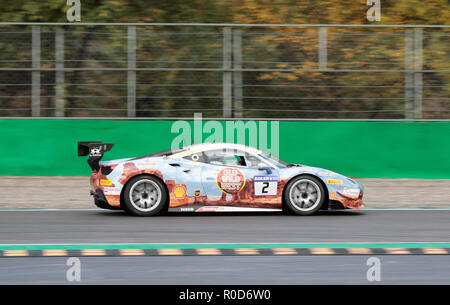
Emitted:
<point x="212" y="146"/>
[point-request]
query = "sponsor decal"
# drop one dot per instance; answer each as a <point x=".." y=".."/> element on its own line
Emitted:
<point x="96" y="152"/>
<point x="187" y="209"/>
<point x="234" y="209"/>
<point x="265" y="185"/>
<point x="179" y="191"/>
<point x="210" y="209"/>
<point x="334" y="181"/>
<point x="111" y="190"/>
<point x="197" y="193"/>
<point x="106" y="182"/>
<point x="230" y="180"/>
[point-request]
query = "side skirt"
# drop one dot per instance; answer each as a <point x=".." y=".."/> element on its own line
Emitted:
<point x="220" y="208"/>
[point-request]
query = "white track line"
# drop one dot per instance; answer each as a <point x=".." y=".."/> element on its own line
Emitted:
<point x="96" y="209"/>
<point x="44" y="210"/>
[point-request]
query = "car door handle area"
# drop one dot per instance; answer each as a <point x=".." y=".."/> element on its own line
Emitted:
<point x="179" y="166"/>
<point x="267" y="169"/>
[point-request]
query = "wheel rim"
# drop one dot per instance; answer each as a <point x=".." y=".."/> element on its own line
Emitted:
<point x="305" y="195"/>
<point x="145" y="195"/>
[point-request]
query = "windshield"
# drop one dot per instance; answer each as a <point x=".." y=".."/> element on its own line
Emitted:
<point x="271" y="159"/>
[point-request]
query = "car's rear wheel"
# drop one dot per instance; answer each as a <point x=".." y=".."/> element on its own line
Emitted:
<point x="304" y="195"/>
<point x="144" y="196"/>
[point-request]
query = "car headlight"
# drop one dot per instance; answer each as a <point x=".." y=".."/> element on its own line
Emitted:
<point x="350" y="192"/>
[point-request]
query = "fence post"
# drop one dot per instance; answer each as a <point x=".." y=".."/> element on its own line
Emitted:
<point x="131" y="92"/>
<point x="409" y="76"/>
<point x="237" y="75"/>
<point x="226" y="78"/>
<point x="36" y="75"/>
<point x="418" y="65"/>
<point x="323" y="48"/>
<point x="59" y="75"/>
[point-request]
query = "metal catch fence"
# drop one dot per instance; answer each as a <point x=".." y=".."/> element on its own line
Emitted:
<point x="225" y="71"/>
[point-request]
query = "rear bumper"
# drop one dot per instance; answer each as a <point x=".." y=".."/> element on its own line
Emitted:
<point x="101" y="201"/>
<point x="101" y="191"/>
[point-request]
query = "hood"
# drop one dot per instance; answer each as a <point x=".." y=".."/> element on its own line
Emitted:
<point x="322" y="173"/>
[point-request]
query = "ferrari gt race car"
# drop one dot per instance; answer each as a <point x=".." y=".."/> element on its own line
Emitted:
<point x="214" y="177"/>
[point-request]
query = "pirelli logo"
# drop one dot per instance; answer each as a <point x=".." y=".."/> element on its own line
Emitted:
<point x="106" y="182"/>
<point x="225" y="252"/>
<point x="334" y="181"/>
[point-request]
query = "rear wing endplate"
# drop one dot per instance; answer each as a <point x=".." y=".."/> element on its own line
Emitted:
<point x="95" y="151"/>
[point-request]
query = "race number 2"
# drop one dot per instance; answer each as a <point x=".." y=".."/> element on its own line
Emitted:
<point x="265" y="185"/>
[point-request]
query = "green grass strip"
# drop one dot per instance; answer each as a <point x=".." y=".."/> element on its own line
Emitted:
<point x="225" y="245"/>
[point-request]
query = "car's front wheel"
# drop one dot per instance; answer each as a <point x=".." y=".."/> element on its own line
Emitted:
<point x="304" y="195"/>
<point x="144" y="196"/>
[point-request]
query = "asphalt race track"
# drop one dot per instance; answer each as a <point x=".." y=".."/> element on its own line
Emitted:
<point x="228" y="270"/>
<point x="101" y="226"/>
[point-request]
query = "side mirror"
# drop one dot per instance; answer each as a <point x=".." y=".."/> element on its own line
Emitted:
<point x="266" y="168"/>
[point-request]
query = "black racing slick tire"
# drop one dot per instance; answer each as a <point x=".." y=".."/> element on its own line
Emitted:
<point x="144" y="195"/>
<point x="304" y="195"/>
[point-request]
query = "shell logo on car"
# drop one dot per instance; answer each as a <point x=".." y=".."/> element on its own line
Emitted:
<point x="230" y="180"/>
<point x="179" y="191"/>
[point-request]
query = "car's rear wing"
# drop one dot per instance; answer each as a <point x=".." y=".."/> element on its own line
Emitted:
<point x="95" y="150"/>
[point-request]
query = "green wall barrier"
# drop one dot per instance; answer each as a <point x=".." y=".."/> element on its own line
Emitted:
<point x="356" y="149"/>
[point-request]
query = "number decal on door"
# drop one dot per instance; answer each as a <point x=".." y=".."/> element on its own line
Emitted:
<point x="266" y="185"/>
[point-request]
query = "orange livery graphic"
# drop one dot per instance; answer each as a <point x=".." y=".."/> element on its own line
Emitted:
<point x="217" y="177"/>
